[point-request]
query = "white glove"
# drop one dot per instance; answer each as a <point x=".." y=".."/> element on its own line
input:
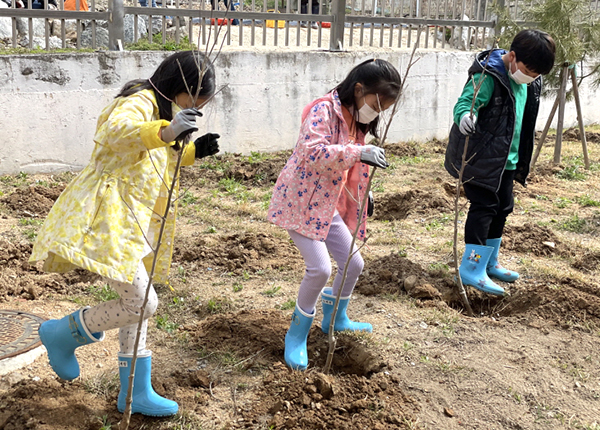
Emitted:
<point x="183" y="124"/>
<point x="467" y="124"/>
<point x="373" y="156"/>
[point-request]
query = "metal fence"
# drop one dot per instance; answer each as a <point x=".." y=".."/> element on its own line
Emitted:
<point x="336" y="24"/>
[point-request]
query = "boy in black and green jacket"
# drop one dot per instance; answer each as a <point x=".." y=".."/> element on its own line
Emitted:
<point x="501" y="130"/>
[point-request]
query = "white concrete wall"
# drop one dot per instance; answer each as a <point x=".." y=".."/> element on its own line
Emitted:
<point x="50" y="103"/>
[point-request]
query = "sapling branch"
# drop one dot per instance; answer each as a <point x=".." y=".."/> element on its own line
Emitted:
<point x="124" y="424"/>
<point x="330" y="335"/>
<point x="459" y="183"/>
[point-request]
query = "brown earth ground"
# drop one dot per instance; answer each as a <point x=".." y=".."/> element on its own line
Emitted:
<point x="528" y="360"/>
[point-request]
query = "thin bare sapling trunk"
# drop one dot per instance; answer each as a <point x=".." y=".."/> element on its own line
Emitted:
<point x="124" y="424"/>
<point x="459" y="183"/>
<point x="330" y="335"/>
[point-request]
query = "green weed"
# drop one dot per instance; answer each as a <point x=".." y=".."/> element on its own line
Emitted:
<point x="237" y="287"/>
<point x="105" y="293"/>
<point x="572" y="173"/>
<point x="188" y="199"/>
<point x="562" y="202"/>
<point x="587" y="201"/>
<point x="163" y="323"/>
<point x="217" y="305"/>
<point x="574" y="224"/>
<point x="271" y="291"/>
<point x="31" y="221"/>
<point x="290" y="304"/>
<point x="157" y="44"/>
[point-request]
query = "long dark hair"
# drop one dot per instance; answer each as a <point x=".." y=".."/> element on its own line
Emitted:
<point x="376" y="77"/>
<point x="171" y="77"/>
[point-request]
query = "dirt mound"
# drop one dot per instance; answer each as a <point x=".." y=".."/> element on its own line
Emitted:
<point x="251" y="170"/>
<point x="33" y="201"/>
<point x="414" y="149"/>
<point x="572" y="134"/>
<point x="237" y="252"/>
<point x="563" y="301"/>
<point x="399" y="206"/>
<point x="20" y="279"/>
<point x="298" y="400"/>
<point x="393" y="274"/>
<point x="532" y="238"/>
<point x="256" y="338"/>
<point x="543" y="170"/>
<point x="588" y="262"/>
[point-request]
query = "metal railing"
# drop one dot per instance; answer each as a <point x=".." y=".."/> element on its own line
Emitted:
<point x="336" y="24"/>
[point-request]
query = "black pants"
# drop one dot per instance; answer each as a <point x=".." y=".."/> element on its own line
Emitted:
<point x="488" y="210"/>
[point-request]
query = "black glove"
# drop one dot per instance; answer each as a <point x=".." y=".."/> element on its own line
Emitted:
<point x="207" y="145"/>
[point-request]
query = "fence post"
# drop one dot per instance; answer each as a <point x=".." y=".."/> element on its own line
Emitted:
<point x="116" y="12"/>
<point x="336" y="39"/>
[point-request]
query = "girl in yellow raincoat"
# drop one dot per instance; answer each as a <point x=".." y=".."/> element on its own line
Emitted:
<point x="107" y="219"/>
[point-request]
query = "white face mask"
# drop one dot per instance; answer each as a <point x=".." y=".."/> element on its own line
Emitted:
<point x="520" y="77"/>
<point x="366" y="114"/>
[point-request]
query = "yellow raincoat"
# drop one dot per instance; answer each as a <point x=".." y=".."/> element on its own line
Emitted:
<point x="99" y="221"/>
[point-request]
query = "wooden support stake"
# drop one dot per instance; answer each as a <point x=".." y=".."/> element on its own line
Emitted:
<point x="561" y="113"/>
<point x="544" y="134"/>
<point x="586" y="158"/>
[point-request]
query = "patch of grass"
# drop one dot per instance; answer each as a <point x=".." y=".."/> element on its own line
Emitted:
<point x="288" y="305"/>
<point x="104" y="293"/>
<point x="572" y="173"/>
<point x="237" y="287"/>
<point x="437" y="223"/>
<point x="271" y="292"/>
<point x="211" y="230"/>
<point x="235" y="189"/>
<point x="104" y="385"/>
<point x="574" y="224"/>
<point x="188" y="199"/>
<point x="163" y="323"/>
<point x="30" y="234"/>
<point x="31" y="221"/>
<point x="258" y="157"/>
<point x="157" y="44"/>
<point x="412" y="160"/>
<point x="562" y="202"/>
<point x="218" y="305"/>
<point x="587" y="201"/>
<point x="21" y="51"/>
<point x="15" y="180"/>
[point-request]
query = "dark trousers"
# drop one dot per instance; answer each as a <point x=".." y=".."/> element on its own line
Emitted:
<point x="488" y="210"/>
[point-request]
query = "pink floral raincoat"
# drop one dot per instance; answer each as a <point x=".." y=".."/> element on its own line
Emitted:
<point x="323" y="174"/>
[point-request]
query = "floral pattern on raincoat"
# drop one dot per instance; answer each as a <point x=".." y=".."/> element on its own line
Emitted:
<point x="99" y="221"/>
<point x="323" y="174"/>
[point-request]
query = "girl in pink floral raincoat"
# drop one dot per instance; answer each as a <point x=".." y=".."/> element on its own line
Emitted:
<point x="319" y="193"/>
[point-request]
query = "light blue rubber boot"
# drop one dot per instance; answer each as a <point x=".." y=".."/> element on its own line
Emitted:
<point x="61" y="338"/>
<point x="494" y="268"/>
<point x="473" y="269"/>
<point x="295" y="353"/>
<point x="144" y="401"/>
<point x="342" y="322"/>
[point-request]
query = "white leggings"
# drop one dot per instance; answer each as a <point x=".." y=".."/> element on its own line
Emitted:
<point x="124" y="313"/>
<point x="318" y="263"/>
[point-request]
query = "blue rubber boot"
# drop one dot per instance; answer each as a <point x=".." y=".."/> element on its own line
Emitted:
<point x="61" y="338"/>
<point x="494" y="269"/>
<point x="342" y="322"/>
<point x="473" y="269"/>
<point x="144" y="401"/>
<point x="295" y="353"/>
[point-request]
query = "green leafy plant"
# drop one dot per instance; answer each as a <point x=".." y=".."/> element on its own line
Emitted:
<point x="103" y="293"/>
<point x="271" y="291"/>
<point x="290" y="304"/>
<point x="163" y="323"/>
